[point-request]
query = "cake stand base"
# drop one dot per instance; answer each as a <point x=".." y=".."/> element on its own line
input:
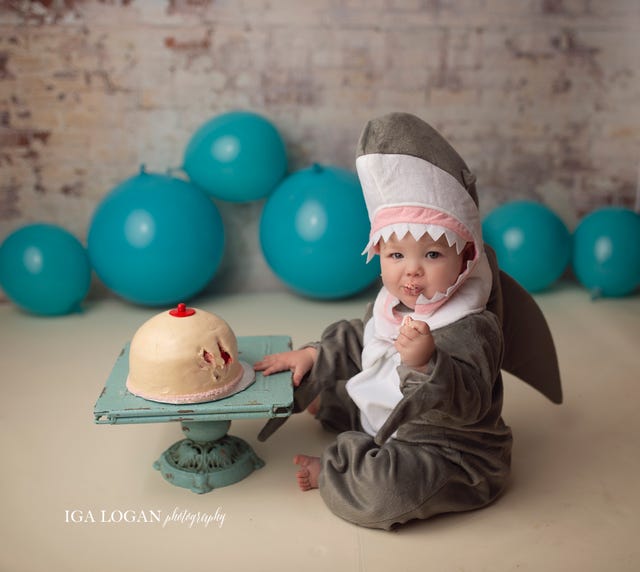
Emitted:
<point x="208" y="458"/>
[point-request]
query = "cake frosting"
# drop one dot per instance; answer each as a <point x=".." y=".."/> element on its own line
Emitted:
<point x="185" y="355"/>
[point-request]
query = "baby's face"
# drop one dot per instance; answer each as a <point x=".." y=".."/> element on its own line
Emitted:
<point x="413" y="267"/>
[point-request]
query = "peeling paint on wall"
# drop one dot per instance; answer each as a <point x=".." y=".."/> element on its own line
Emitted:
<point x="540" y="97"/>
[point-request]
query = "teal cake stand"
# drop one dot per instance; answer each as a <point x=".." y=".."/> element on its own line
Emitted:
<point x="208" y="457"/>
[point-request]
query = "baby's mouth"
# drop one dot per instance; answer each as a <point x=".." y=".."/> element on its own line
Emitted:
<point x="412" y="289"/>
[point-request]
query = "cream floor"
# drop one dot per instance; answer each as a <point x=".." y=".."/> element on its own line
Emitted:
<point x="573" y="503"/>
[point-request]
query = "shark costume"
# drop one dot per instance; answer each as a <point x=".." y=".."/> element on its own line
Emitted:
<point x="413" y="444"/>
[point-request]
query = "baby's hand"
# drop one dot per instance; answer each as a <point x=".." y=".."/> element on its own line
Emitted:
<point x="415" y="343"/>
<point x="298" y="361"/>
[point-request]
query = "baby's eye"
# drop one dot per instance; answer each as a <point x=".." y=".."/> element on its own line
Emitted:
<point x="432" y="254"/>
<point x="396" y="255"/>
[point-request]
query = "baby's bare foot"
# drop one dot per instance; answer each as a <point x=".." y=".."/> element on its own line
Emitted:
<point x="308" y="473"/>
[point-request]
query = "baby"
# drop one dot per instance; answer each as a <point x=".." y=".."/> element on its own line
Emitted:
<point x="414" y="389"/>
<point x="410" y="268"/>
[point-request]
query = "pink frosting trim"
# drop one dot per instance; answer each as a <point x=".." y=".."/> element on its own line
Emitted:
<point x="229" y="388"/>
<point x="418" y="215"/>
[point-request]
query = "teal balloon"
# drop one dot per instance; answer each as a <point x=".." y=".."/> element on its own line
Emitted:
<point x="44" y="270"/>
<point x="606" y="252"/>
<point x="156" y="240"/>
<point x="312" y="232"/>
<point x="532" y="243"/>
<point x="237" y="156"/>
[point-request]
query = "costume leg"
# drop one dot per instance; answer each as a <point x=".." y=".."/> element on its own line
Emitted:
<point x="379" y="487"/>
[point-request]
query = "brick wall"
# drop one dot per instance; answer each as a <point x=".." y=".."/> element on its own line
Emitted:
<point x="540" y="96"/>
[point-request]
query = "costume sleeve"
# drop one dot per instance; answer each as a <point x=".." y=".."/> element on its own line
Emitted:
<point x="339" y="357"/>
<point x="457" y="389"/>
<point x="339" y="352"/>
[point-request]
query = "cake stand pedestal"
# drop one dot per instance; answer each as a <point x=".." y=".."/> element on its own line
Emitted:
<point x="208" y="457"/>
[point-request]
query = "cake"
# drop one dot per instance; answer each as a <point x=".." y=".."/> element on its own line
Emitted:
<point x="185" y="355"/>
